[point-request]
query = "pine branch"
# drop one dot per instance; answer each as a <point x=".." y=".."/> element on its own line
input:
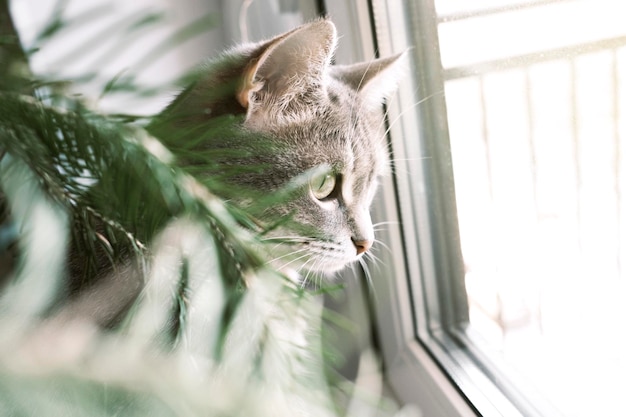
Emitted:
<point x="98" y="171"/>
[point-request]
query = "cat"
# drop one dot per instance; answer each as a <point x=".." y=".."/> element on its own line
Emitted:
<point x="298" y="145"/>
<point x="320" y="124"/>
<point x="286" y="119"/>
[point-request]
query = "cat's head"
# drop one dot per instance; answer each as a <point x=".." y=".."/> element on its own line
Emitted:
<point x="302" y="122"/>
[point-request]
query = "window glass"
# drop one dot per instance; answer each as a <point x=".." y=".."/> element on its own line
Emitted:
<point x="536" y="102"/>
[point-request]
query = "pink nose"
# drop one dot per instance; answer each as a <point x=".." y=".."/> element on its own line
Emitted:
<point x="362" y="246"/>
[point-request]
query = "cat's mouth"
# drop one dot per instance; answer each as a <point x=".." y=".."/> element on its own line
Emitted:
<point x="306" y="255"/>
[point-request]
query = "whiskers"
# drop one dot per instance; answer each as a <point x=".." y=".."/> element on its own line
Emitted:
<point x="396" y="163"/>
<point x="405" y="109"/>
<point x="399" y="166"/>
<point x="364" y="264"/>
<point x="299" y="255"/>
<point x="370" y="262"/>
<point x="315" y="261"/>
<point x="286" y="241"/>
<point x="311" y="278"/>
<point x="311" y="258"/>
<point x="382" y="225"/>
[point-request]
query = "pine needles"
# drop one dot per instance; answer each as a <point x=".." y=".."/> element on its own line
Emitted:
<point x="127" y="286"/>
<point x="103" y="193"/>
<point x="116" y="206"/>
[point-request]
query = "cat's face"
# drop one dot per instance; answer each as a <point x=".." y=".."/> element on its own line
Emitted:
<point x="337" y="152"/>
<point x="324" y="127"/>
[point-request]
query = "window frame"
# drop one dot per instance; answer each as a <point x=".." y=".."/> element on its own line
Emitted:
<point x="412" y="371"/>
<point x="421" y="305"/>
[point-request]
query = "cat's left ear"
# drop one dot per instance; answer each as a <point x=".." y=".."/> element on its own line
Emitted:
<point x="289" y="64"/>
<point x="374" y="80"/>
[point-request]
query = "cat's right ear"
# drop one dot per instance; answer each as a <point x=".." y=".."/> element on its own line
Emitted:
<point x="288" y="65"/>
<point x="374" y="80"/>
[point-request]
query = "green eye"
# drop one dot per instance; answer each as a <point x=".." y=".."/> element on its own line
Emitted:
<point x="322" y="186"/>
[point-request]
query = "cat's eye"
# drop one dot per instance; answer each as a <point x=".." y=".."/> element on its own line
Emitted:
<point x="322" y="186"/>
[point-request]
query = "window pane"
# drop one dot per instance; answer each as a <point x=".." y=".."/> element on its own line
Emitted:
<point x="536" y="101"/>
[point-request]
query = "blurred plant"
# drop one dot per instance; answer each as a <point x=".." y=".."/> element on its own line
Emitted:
<point x="215" y="331"/>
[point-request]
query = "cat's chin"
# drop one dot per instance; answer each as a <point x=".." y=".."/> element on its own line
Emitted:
<point x="330" y="269"/>
<point x="301" y="273"/>
<point x="309" y="278"/>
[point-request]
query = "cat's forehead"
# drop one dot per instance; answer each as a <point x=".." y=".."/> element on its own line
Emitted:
<point x="334" y="128"/>
<point x="358" y="131"/>
<point x="341" y="134"/>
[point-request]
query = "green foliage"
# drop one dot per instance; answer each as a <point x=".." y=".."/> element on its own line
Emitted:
<point x="83" y="196"/>
<point x="101" y="171"/>
<point x="108" y="190"/>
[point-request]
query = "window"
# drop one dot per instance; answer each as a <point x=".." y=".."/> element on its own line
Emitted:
<point x="507" y="202"/>
<point x="500" y="292"/>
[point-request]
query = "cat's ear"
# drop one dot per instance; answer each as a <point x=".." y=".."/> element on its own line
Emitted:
<point x="374" y="80"/>
<point x="289" y="64"/>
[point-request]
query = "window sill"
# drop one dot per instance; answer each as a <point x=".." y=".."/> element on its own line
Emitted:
<point x="416" y="378"/>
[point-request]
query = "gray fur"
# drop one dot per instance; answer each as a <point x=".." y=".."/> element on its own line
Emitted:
<point x="299" y="113"/>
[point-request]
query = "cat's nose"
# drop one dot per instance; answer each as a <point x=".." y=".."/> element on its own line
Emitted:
<point x="362" y="246"/>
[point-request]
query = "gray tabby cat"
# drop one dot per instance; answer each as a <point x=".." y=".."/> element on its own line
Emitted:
<point x="277" y="116"/>
<point x="304" y="120"/>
